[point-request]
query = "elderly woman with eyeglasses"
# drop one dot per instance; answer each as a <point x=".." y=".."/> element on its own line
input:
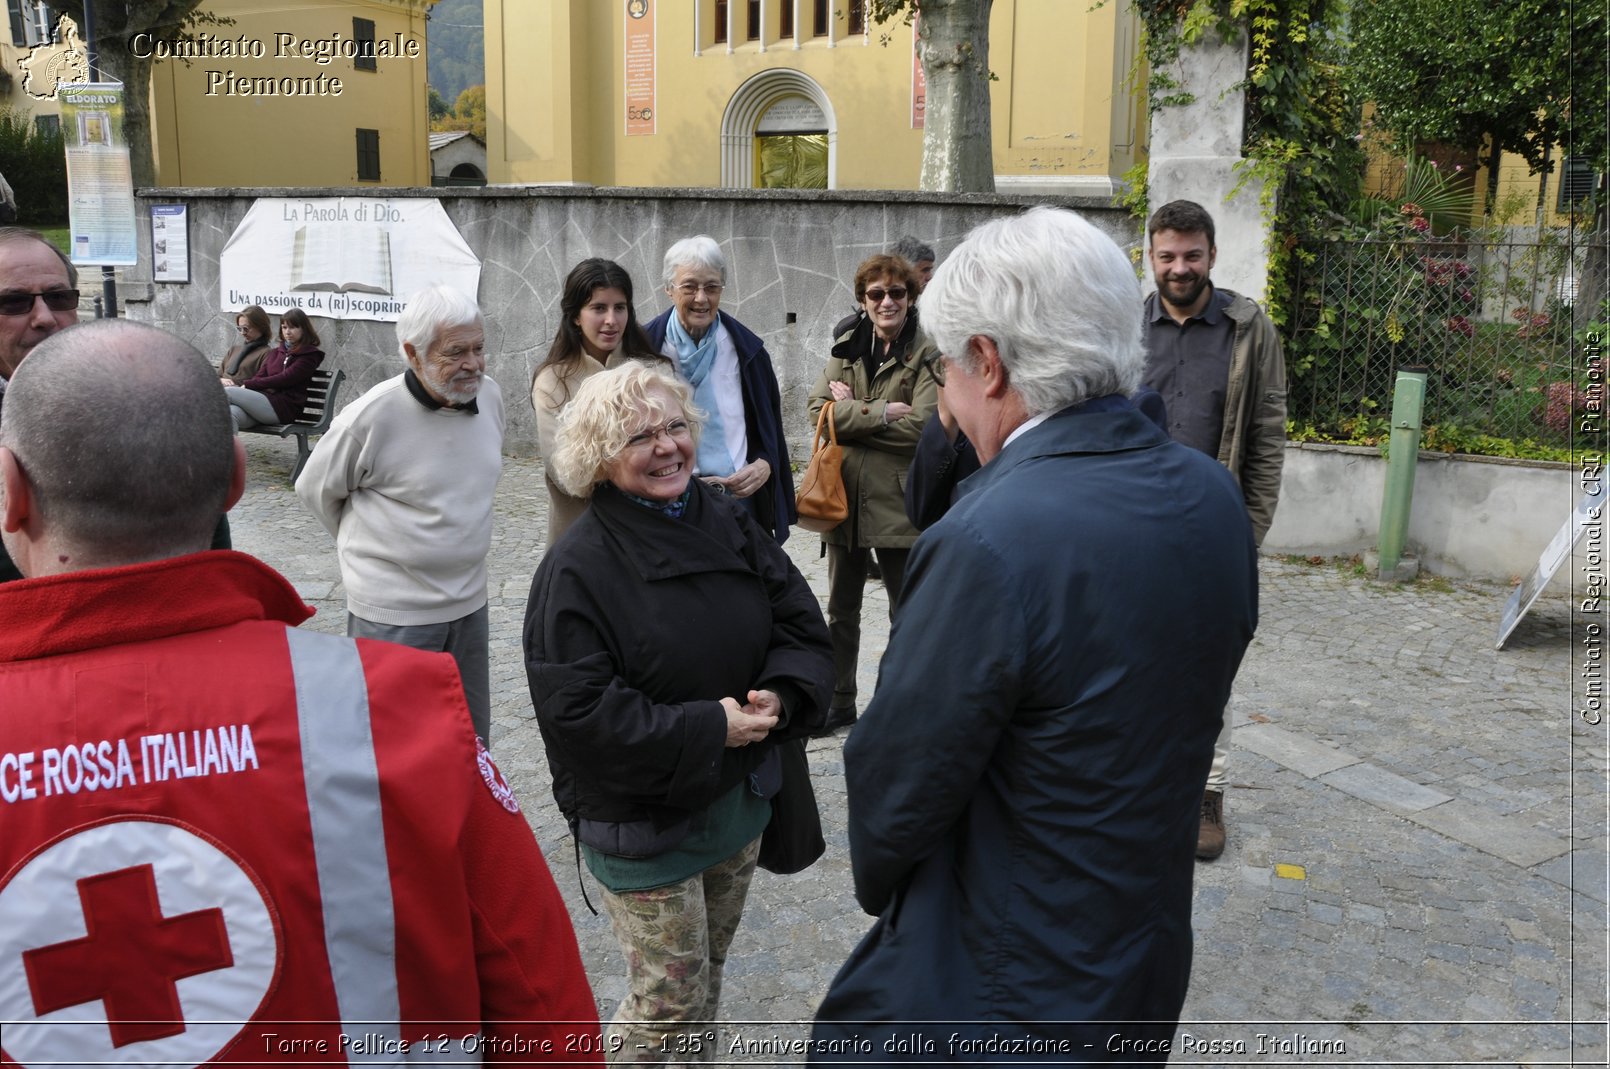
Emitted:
<point x="670" y="646"/>
<point x="881" y="382"/>
<point x="744" y="451"/>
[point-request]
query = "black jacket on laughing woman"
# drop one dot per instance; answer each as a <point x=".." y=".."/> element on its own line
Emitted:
<point x="671" y="646"/>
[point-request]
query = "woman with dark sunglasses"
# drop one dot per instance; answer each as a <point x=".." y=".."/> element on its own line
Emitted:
<point x="883" y="390"/>
<point x="243" y="360"/>
<point x="278" y="391"/>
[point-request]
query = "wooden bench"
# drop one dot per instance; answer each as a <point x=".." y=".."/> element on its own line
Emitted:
<point x="317" y="413"/>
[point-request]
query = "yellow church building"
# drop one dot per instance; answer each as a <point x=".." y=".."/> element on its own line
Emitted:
<point x="795" y="93"/>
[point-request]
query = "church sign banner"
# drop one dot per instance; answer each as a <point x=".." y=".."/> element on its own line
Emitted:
<point x="640" y="76"/>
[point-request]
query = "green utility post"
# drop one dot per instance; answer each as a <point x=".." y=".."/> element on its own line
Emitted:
<point x="1407" y="401"/>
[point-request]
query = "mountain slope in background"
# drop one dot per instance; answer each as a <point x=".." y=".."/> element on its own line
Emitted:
<point x="456" y="47"/>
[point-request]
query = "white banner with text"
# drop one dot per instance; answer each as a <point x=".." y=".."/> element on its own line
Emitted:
<point x="343" y="257"/>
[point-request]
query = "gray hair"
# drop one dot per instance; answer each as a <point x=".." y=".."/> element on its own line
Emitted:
<point x="601" y="416"/>
<point x="1059" y="299"/>
<point x="700" y="250"/>
<point x="432" y="311"/>
<point x="913" y="250"/>
<point x="137" y="473"/>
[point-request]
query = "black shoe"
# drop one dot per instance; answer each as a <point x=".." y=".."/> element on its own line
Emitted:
<point x="839" y="716"/>
<point x="874" y="573"/>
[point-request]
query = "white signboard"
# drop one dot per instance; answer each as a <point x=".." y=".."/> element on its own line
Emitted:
<point x="1589" y="510"/>
<point x="343" y="257"/>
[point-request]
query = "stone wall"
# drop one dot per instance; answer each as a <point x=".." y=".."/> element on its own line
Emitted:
<point x="791" y="258"/>
<point x="1472" y="517"/>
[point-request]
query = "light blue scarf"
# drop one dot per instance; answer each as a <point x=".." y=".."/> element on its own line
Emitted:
<point x="697" y="360"/>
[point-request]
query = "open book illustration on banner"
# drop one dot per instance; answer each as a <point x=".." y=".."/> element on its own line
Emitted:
<point x="344" y="257"/>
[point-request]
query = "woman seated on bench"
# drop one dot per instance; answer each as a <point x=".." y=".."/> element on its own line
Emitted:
<point x="278" y="391"/>
<point x="242" y="362"/>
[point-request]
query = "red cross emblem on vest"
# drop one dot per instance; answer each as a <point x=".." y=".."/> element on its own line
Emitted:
<point x="130" y="958"/>
<point x="138" y="938"/>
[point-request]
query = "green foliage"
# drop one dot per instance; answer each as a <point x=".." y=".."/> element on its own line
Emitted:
<point x="469" y="113"/>
<point x="1397" y="293"/>
<point x="437" y="106"/>
<point x="1132" y="191"/>
<point x="455" y="44"/>
<point x="1166" y="25"/>
<point x="36" y="166"/>
<point x="1507" y="77"/>
<point x="1442" y="196"/>
<point x="1402" y="288"/>
<point x="1375" y="432"/>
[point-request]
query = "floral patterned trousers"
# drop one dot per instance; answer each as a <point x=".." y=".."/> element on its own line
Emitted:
<point x="675" y="941"/>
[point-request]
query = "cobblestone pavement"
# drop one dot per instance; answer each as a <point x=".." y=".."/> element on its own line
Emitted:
<point x="1416" y="869"/>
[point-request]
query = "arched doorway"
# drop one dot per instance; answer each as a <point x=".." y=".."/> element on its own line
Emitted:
<point x="779" y="129"/>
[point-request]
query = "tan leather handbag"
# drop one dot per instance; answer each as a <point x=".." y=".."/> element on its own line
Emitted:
<point x="822" y="502"/>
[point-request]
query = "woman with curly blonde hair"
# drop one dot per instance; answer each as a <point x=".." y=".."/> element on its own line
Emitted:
<point x="671" y="646"/>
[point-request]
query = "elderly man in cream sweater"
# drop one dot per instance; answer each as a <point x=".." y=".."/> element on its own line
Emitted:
<point x="404" y="480"/>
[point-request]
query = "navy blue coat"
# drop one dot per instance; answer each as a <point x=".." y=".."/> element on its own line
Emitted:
<point x="763" y="419"/>
<point x="1024" y="787"/>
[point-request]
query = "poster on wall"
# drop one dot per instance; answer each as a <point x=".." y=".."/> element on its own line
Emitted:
<point x="170" y="243"/>
<point x="639" y="67"/>
<point x="100" y="182"/>
<point x="919" y="80"/>
<point x="343" y="257"/>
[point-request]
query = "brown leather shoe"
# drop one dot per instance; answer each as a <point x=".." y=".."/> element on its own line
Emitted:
<point x="1210" y="833"/>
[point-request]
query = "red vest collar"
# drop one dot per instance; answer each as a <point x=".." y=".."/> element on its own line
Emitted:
<point x="57" y="614"/>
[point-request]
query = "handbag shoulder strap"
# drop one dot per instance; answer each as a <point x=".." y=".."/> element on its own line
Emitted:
<point x="825" y="419"/>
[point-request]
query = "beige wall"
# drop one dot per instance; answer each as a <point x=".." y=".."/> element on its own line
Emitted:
<point x="556" y="95"/>
<point x="204" y="138"/>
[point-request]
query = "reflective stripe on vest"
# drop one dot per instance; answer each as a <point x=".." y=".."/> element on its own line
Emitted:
<point x="349" y="844"/>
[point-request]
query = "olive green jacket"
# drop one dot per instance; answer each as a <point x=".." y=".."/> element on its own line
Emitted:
<point x="877" y="454"/>
<point x="1253" y="442"/>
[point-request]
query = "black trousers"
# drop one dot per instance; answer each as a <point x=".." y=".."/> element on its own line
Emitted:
<point x="846" y="582"/>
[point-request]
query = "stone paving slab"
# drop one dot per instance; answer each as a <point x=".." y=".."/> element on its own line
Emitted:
<point x="1345" y="927"/>
<point x="1296" y="752"/>
<point x="1377" y="786"/>
<point x="1511" y="840"/>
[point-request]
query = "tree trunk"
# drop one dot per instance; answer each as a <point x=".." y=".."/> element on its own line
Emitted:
<point x="1494" y="156"/>
<point x="1541" y="212"/>
<point x="135" y="74"/>
<point x="957" y="148"/>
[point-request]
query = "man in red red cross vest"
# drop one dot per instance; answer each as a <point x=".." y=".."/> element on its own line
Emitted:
<point x="228" y="840"/>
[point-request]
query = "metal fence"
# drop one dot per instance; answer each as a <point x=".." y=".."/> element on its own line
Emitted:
<point x="1494" y="322"/>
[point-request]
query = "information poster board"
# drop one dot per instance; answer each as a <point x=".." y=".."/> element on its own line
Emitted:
<point x="100" y="182"/>
<point x="170" y="243"/>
